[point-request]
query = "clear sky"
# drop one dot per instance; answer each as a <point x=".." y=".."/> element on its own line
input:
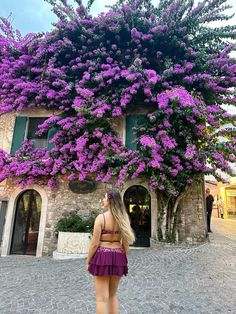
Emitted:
<point x="35" y="15"/>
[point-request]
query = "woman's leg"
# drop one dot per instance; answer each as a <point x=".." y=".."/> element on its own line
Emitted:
<point x="102" y="294"/>
<point x="113" y="299"/>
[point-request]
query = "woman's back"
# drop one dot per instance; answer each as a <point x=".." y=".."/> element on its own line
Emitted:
<point x="110" y="235"/>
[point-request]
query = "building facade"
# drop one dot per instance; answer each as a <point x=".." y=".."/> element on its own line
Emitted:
<point x="225" y="198"/>
<point x="28" y="216"/>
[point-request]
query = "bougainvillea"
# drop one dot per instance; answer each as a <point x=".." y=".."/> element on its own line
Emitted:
<point x="166" y="59"/>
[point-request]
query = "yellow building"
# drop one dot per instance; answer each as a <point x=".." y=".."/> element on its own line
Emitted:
<point x="225" y="198"/>
<point x="227" y="193"/>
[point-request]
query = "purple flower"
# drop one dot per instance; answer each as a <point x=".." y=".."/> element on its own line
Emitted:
<point x="51" y="94"/>
<point x="89" y="71"/>
<point x="167" y="124"/>
<point x="190" y="152"/>
<point x="147" y="141"/>
<point x="174" y="172"/>
<point x="109" y="60"/>
<point x="135" y="34"/>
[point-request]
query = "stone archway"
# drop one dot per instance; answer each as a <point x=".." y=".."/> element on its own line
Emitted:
<point x="10" y="217"/>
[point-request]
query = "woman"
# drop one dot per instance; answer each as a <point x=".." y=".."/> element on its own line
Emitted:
<point x="107" y="256"/>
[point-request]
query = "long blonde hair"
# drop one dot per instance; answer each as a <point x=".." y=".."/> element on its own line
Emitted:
<point x="118" y="211"/>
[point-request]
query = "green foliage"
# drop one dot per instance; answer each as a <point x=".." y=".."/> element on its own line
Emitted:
<point x="90" y="3"/>
<point x="73" y="222"/>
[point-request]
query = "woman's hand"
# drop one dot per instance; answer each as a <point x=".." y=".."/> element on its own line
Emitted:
<point x="87" y="266"/>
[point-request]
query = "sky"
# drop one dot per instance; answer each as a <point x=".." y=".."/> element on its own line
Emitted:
<point x="36" y="16"/>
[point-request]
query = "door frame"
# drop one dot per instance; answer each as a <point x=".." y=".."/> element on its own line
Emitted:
<point x="27" y="225"/>
<point x="129" y="184"/>
<point x="3" y="213"/>
<point x="142" y="234"/>
<point x="10" y="218"/>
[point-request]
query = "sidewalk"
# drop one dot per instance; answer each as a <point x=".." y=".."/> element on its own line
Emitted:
<point x="165" y="281"/>
<point x="224" y="227"/>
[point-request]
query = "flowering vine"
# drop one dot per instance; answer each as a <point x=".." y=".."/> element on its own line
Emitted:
<point x="164" y="58"/>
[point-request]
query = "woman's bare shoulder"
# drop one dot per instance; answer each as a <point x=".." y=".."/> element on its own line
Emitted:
<point x="99" y="219"/>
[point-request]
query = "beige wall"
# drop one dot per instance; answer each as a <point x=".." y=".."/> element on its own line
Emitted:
<point x="6" y="131"/>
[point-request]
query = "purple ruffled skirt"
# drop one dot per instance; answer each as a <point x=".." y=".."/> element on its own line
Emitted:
<point x="109" y="262"/>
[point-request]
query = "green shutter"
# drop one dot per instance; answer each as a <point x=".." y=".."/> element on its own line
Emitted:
<point x="51" y="133"/>
<point x="19" y="133"/>
<point x="131" y="122"/>
<point x="55" y="129"/>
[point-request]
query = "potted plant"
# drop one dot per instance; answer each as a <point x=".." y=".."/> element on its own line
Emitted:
<point x="74" y="234"/>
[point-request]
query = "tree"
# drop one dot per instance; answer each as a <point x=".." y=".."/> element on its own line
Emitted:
<point x="94" y="69"/>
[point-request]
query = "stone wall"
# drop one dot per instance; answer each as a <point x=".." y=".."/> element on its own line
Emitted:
<point x="64" y="200"/>
<point x="192" y="229"/>
<point x="59" y="202"/>
<point x="6" y="131"/>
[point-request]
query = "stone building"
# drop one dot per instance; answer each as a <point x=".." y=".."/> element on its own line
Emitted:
<point x="28" y="216"/>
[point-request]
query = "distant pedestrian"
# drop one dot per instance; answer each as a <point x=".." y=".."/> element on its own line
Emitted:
<point x="209" y="205"/>
<point x="107" y="256"/>
<point x="221" y="207"/>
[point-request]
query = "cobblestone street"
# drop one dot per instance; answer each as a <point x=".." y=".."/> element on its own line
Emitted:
<point x="171" y="280"/>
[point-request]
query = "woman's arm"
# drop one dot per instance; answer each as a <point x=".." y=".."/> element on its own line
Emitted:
<point x="126" y="247"/>
<point x="96" y="238"/>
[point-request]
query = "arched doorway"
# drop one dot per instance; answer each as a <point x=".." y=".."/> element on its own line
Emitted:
<point x="26" y="223"/>
<point x="138" y="205"/>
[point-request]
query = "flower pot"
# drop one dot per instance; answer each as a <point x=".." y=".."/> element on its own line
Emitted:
<point x="73" y="242"/>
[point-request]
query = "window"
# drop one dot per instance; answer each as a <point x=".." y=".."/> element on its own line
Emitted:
<point x="39" y="141"/>
<point x="132" y="121"/>
<point x="25" y="128"/>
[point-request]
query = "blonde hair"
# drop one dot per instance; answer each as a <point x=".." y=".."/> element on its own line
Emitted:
<point x="119" y="213"/>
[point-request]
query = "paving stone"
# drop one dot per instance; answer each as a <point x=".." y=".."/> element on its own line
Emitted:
<point x="196" y="280"/>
